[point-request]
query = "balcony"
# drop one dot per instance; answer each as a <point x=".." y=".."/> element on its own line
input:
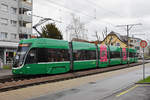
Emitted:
<point x="25" y="30"/>
<point x="25" y="18"/>
<point x="25" y="4"/>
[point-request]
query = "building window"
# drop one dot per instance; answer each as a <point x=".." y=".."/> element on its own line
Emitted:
<point x="23" y="36"/>
<point x="4" y="21"/>
<point x="13" y="22"/>
<point x="14" y="36"/>
<point x="134" y="40"/>
<point x="3" y="35"/>
<point x="29" y="1"/>
<point x="131" y="41"/>
<point x="13" y="10"/>
<point x="4" y="7"/>
<point x="117" y="44"/>
<point x="137" y="48"/>
<point x="138" y="40"/>
<point x="22" y="24"/>
<point x="9" y="57"/>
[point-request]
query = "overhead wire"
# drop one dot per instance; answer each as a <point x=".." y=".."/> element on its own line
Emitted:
<point x="100" y="6"/>
<point x="70" y="10"/>
<point x="77" y="11"/>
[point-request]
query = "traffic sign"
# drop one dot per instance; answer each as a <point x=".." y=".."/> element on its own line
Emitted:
<point x="143" y="43"/>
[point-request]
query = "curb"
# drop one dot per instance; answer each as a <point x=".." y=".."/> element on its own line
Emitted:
<point x="144" y="83"/>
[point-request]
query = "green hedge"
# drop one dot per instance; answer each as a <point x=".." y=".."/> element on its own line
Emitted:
<point x="147" y="80"/>
<point x="7" y="67"/>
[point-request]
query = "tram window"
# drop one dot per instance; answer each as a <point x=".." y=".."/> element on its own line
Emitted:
<point x="103" y="53"/>
<point x="84" y="54"/>
<point x="123" y="54"/>
<point x="131" y="54"/>
<point x="31" y="57"/>
<point x="114" y="54"/>
<point x="92" y="54"/>
<point x="57" y="55"/>
<point x="42" y="55"/>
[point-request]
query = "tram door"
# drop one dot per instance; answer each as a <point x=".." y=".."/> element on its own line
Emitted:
<point x="103" y="56"/>
<point x="124" y="55"/>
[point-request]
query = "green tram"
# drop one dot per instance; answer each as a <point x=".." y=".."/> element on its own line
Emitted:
<point x="50" y="56"/>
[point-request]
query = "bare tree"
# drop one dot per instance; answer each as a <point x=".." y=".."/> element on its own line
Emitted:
<point x="76" y="28"/>
<point x="104" y="33"/>
<point x="106" y="40"/>
<point x="97" y="36"/>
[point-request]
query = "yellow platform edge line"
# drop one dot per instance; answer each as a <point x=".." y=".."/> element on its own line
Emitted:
<point x="124" y="92"/>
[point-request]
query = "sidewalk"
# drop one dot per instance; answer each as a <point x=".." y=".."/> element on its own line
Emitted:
<point x="4" y="72"/>
<point x="136" y="92"/>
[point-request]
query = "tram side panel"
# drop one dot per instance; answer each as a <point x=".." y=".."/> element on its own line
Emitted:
<point x="124" y="55"/>
<point x="84" y="55"/>
<point x="103" y="60"/>
<point x="115" y="56"/>
<point x="46" y="56"/>
<point x="58" y="57"/>
<point x="136" y="56"/>
<point x="50" y="56"/>
<point x="131" y="55"/>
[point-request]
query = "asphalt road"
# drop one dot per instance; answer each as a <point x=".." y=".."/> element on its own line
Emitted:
<point x="104" y="89"/>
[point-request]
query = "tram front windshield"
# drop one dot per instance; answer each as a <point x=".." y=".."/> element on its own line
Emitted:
<point x="20" y="55"/>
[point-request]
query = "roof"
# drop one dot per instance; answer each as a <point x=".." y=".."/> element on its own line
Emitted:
<point x="123" y="38"/>
<point x="8" y="44"/>
<point x="79" y="40"/>
<point x="96" y="42"/>
<point x="83" y="46"/>
<point x="46" y="42"/>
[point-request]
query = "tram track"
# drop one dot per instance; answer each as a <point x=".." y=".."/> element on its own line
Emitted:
<point x="11" y="82"/>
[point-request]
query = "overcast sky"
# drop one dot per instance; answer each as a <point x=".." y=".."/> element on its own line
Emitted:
<point x="97" y="14"/>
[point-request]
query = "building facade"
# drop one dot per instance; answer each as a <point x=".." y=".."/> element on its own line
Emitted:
<point x="15" y="24"/>
<point x="135" y="42"/>
<point x="115" y="39"/>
